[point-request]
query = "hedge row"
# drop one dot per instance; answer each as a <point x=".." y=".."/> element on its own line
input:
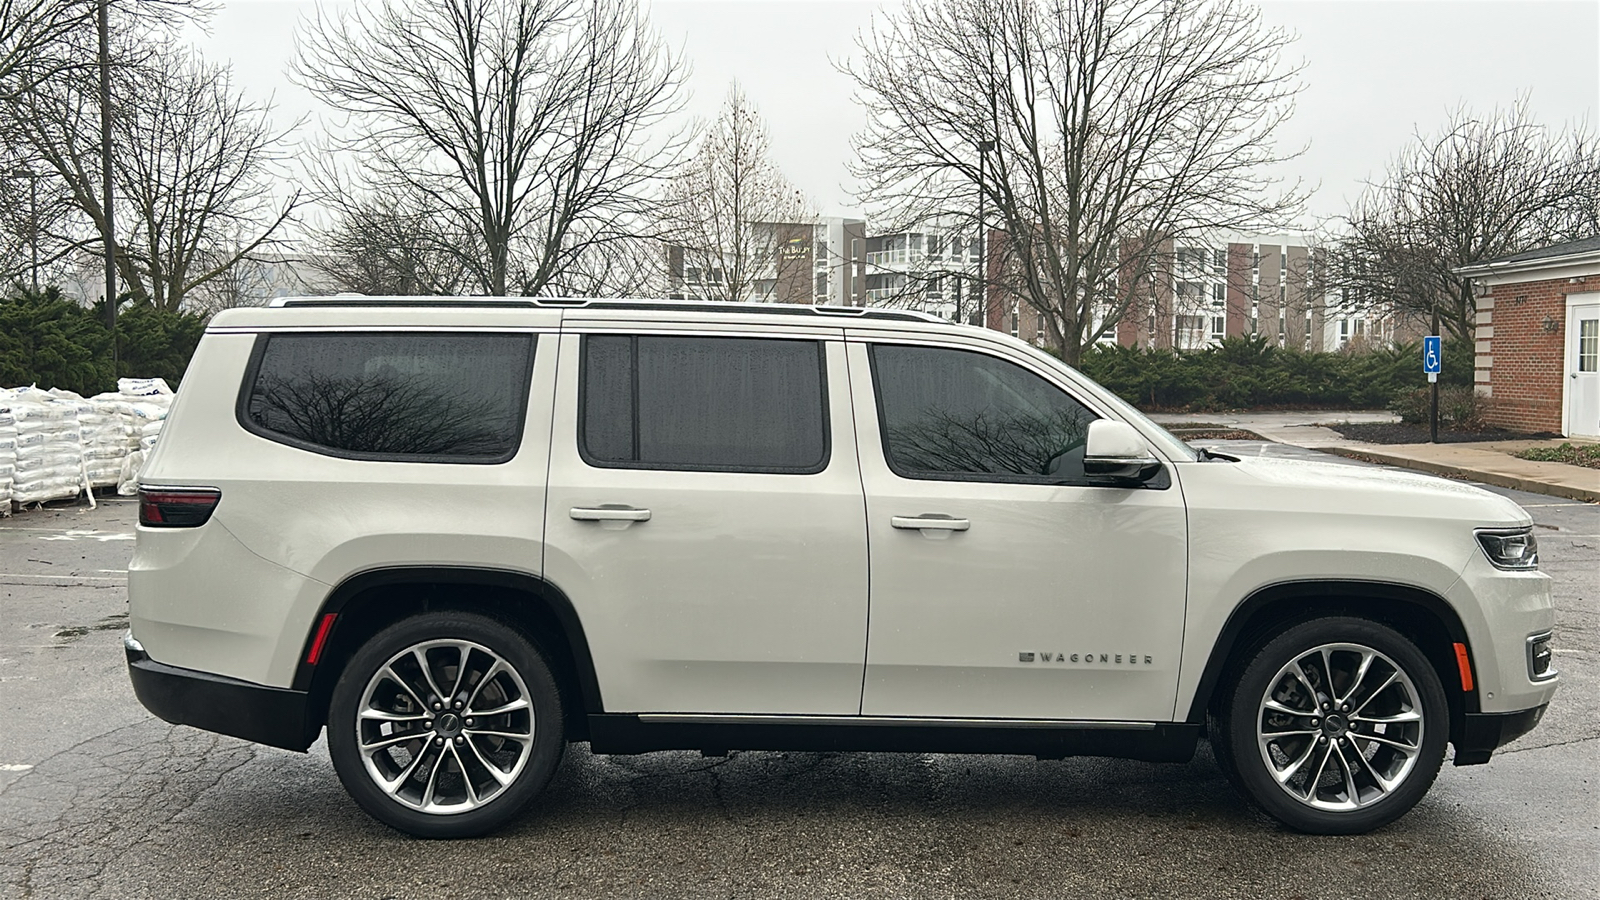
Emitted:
<point x="1249" y="372"/>
<point x="53" y="342"/>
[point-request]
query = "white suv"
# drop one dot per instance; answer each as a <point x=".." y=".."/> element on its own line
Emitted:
<point x="462" y="533"/>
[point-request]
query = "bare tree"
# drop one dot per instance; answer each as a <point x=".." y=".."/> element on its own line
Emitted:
<point x="1117" y="128"/>
<point x="29" y="29"/>
<point x="526" y="120"/>
<point x="390" y="245"/>
<point x="1481" y="188"/>
<point x="192" y="161"/>
<point x="725" y="211"/>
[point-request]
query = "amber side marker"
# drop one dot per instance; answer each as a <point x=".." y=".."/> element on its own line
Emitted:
<point x="325" y="626"/>
<point x="1465" y="665"/>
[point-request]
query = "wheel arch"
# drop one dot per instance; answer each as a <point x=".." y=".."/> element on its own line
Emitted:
<point x="370" y="601"/>
<point x="1422" y="616"/>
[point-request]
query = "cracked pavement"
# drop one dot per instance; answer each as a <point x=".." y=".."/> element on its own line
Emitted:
<point x="99" y="799"/>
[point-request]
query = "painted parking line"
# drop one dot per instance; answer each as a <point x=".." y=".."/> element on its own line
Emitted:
<point x="35" y="578"/>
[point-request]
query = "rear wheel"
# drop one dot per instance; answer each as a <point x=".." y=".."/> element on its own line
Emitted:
<point x="1335" y="726"/>
<point x="445" y="725"/>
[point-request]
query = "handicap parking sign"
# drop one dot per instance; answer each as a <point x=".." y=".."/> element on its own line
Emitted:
<point x="1431" y="353"/>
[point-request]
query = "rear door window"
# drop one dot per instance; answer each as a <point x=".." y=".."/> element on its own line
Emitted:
<point x="703" y="403"/>
<point x="403" y="396"/>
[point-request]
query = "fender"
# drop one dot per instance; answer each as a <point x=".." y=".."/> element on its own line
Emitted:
<point x="550" y="598"/>
<point x="1327" y="596"/>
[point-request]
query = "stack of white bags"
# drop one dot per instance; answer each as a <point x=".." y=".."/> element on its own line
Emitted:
<point x="55" y="444"/>
<point x="49" y="445"/>
<point x="8" y="454"/>
<point x="139" y="407"/>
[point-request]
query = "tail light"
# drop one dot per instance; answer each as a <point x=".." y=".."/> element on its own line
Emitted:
<point x="176" y="507"/>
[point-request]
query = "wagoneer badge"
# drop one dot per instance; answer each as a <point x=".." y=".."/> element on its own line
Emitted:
<point x="1112" y="659"/>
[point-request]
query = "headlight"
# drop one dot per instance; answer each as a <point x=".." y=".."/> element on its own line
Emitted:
<point x="1510" y="548"/>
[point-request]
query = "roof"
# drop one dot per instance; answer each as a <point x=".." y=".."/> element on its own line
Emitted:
<point x="1579" y="251"/>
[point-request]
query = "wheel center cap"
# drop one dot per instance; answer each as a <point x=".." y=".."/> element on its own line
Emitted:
<point x="448" y="725"/>
<point x="1334" y="725"/>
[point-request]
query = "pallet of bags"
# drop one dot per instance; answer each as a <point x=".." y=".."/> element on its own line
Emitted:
<point x="146" y="402"/>
<point x="101" y="436"/>
<point x="49" y="447"/>
<point x="8" y="453"/>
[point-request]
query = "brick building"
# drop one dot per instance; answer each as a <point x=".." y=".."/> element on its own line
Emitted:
<point x="1538" y="339"/>
<point x="1206" y="292"/>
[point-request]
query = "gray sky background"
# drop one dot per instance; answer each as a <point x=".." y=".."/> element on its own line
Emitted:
<point x="1377" y="70"/>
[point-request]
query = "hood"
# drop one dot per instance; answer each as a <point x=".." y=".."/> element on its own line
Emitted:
<point x="1325" y="485"/>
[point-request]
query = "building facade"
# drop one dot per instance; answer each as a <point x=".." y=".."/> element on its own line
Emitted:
<point x="1537" y="359"/>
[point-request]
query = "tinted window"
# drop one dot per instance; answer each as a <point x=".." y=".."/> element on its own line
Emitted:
<point x="421" y="397"/>
<point x="729" y="404"/>
<point x="953" y="413"/>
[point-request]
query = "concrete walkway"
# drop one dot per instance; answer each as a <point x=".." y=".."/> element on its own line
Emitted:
<point x="1490" y="462"/>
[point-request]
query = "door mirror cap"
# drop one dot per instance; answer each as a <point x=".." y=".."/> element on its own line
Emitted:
<point x="1117" y="451"/>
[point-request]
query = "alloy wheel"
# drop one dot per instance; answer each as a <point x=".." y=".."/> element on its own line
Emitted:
<point x="445" y="726"/>
<point x="1340" y="727"/>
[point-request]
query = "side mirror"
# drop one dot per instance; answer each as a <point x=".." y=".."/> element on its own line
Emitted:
<point x="1116" y="451"/>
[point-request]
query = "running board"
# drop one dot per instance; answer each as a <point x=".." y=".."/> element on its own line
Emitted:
<point x="619" y="733"/>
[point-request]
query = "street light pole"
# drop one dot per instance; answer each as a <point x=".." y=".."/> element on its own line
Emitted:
<point x="105" y="173"/>
<point x="983" y="232"/>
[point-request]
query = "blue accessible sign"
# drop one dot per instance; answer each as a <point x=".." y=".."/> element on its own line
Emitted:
<point x="1432" y="356"/>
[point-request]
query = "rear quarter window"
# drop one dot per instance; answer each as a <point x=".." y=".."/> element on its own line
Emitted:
<point x="403" y="397"/>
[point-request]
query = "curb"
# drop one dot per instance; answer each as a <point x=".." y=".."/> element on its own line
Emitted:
<point x="1498" y="480"/>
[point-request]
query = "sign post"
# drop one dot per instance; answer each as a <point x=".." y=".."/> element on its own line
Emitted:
<point x="1432" y="364"/>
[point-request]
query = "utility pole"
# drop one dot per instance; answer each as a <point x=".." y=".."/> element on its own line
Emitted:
<point x="983" y="234"/>
<point x="105" y="173"/>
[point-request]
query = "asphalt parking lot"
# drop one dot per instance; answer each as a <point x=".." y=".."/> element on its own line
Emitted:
<point x="99" y="799"/>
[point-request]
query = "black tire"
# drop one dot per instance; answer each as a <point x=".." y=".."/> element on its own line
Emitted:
<point x="1343" y="770"/>
<point x="445" y="779"/>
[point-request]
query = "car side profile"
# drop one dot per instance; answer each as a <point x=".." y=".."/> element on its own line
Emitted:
<point x="461" y="533"/>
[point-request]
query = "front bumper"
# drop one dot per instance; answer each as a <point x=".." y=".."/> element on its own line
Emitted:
<point x="267" y="715"/>
<point x="1484" y="733"/>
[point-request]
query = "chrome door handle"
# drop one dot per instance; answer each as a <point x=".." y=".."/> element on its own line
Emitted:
<point x="609" y="514"/>
<point x="930" y="522"/>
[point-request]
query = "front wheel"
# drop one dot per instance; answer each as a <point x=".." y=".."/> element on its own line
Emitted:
<point x="445" y="725"/>
<point x="1335" y="726"/>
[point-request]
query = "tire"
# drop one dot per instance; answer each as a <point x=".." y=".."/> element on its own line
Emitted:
<point x="1339" y="761"/>
<point x="461" y="768"/>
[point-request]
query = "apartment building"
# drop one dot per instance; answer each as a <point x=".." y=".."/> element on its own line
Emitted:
<point x="790" y="262"/>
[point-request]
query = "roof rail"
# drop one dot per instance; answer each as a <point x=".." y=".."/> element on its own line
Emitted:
<point x="698" y="306"/>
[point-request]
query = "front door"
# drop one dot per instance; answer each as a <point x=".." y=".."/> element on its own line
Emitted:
<point x="1003" y="584"/>
<point x="705" y="519"/>
<point x="1583" y="368"/>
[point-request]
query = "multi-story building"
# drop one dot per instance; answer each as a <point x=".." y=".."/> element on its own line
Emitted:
<point x="791" y="262"/>
<point x="933" y="271"/>
<point x="1205" y="292"/>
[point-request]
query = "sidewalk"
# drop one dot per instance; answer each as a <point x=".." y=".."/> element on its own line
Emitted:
<point x="1490" y="462"/>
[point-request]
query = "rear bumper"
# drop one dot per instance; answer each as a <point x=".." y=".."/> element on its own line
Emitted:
<point x="1484" y="733"/>
<point x="267" y="715"/>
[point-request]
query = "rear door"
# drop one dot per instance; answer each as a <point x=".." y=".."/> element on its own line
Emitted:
<point x="705" y="518"/>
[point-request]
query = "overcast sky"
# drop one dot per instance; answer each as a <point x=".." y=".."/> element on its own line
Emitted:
<point x="1376" y="71"/>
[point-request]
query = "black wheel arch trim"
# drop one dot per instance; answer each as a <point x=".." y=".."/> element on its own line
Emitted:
<point x="1349" y="590"/>
<point x="555" y="602"/>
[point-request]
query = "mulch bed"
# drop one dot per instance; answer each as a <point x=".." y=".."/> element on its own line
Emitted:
<point x="1403" y="433"/>
<point x="1215" y="434"/>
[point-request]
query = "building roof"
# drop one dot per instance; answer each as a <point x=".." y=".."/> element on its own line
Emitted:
<point x="1579" y="251"/>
